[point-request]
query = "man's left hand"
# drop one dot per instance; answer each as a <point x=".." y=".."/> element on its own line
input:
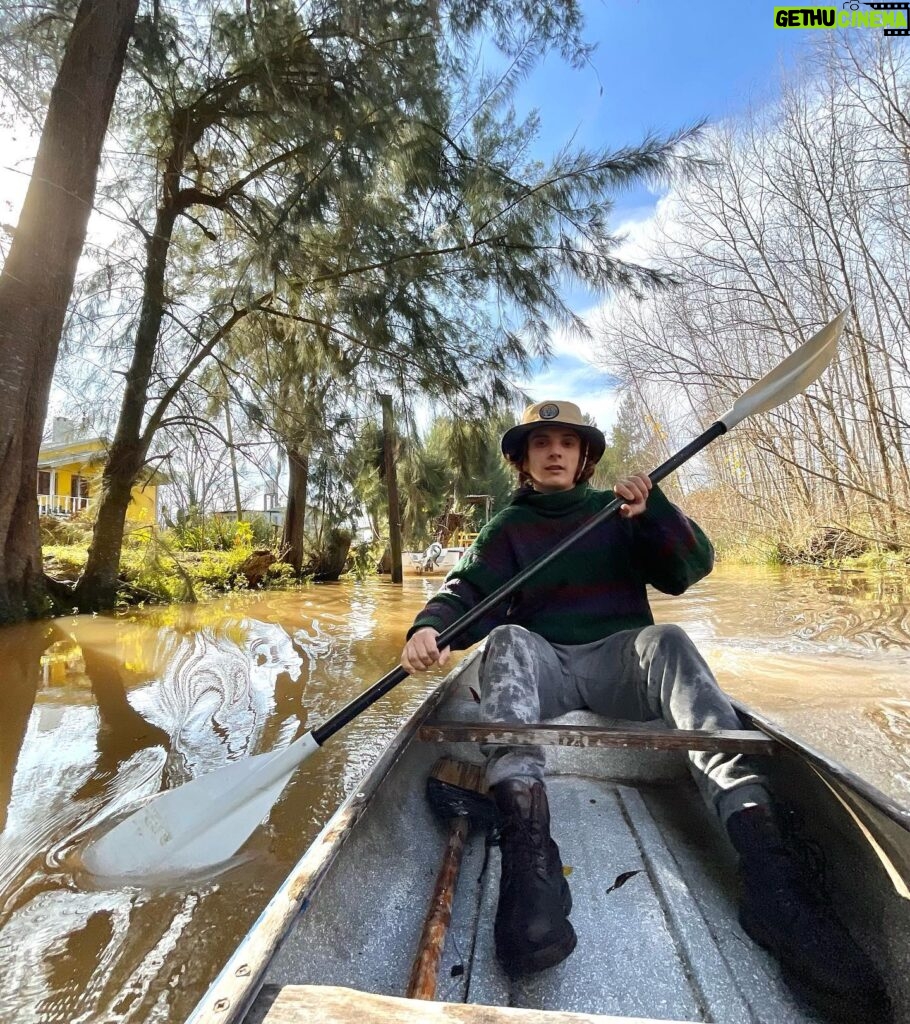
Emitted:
<point x="635" y="490"/>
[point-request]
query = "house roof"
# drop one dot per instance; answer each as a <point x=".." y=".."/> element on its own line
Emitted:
<point x="88" y="450"/>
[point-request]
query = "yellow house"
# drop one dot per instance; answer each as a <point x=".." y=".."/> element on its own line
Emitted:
<point x="69" y="476"/>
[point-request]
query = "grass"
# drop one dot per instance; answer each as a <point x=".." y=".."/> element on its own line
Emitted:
<point x="155" y="574"/>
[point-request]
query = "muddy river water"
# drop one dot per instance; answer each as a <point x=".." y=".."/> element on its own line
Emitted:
<point x="98" y="713"/>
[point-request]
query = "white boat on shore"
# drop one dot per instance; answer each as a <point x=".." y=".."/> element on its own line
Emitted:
<point x="430" y="562"/>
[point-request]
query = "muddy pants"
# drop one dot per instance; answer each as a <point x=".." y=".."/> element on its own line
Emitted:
<point x="638" y="674"/>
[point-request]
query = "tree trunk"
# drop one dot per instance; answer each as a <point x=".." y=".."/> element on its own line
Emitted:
<point x="235" y="478"/>
<point x="298" y="477"/>
<point x="391" y="480"/>
<point x="38" y="276"/>
<point x="97" y="589"/>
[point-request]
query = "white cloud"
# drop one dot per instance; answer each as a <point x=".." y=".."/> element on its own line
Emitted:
<point x="576" y="373"/>
<point x="573" y="380"/>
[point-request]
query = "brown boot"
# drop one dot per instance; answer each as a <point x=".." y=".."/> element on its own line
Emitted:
<point x="532" y="929"/>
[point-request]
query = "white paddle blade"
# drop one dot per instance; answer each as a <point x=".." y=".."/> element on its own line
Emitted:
<point x="199" y="824"/>
<point x="791" y="377"/>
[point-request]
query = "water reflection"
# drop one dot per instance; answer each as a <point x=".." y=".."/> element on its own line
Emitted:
<point x="100" y="713"/>
<point x="825" y="653"/>
<point x="104" y="713"/>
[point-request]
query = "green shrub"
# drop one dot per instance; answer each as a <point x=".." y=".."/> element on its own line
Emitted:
<point x="65" y="561"/>
<point x="193" y="531"/>
<point x="67" y="532"/>
<point x="363" y="559"/>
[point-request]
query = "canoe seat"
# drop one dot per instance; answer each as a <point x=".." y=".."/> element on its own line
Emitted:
<point x="736" y="741"/>
<point x="296" y="1004"/>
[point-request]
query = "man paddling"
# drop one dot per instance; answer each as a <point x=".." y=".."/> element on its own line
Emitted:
<point x="581" y="634"/>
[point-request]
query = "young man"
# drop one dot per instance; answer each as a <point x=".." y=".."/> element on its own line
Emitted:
<point x="581" y="635"/>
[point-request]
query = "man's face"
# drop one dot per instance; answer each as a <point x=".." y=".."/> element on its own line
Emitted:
<point x="552" y="459"/>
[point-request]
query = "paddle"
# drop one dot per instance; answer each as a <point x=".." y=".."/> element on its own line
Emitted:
<point x="206" y="820"/>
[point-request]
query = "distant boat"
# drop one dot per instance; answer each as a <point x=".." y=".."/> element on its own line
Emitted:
<point x="652" y="878"/>
<point x="439" y="557"/>
<point x="431" y="562"/>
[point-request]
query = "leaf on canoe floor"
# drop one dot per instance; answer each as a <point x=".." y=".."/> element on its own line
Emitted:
<point x="623" y="878"/>
<point x="566" y="870"/>
<point x="474" y="694"/>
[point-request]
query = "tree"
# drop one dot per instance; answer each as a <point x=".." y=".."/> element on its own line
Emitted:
<point x="346" y="171"/>
<point x="38" y="275"/>
<point x="797" y="213"/>
<point x="632" y="444"/>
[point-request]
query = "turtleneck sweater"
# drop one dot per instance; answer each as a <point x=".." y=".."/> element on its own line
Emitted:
<point x="594" y="589"/>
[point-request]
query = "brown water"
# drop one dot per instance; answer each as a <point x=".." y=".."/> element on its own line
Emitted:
<point x="99" y="713"/>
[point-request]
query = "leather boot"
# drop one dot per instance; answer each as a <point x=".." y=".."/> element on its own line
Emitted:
<point x="784" y="908"/>
<point x="532" y="929"/>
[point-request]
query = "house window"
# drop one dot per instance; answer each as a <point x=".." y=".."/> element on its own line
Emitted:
<point x="79" y="490"/>
<point x="44" y="482"/>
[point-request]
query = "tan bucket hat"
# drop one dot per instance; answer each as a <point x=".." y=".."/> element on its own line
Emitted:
<point x="552" y="414"/>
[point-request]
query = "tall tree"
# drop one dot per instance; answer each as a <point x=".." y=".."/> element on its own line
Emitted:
<point x="346" y="169"/>
<point x="797" y="213"/>
<point x="38" y="275"/>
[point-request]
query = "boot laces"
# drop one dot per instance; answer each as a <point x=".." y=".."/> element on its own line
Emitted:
<point x="525" y="846"/>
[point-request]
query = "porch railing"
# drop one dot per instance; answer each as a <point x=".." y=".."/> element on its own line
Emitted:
<point x="60" y="504"/>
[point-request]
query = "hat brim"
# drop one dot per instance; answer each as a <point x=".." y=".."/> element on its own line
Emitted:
<point x="512" y="439"/>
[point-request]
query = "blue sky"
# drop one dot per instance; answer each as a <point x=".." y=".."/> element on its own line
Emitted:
<point x="660" y="65"/>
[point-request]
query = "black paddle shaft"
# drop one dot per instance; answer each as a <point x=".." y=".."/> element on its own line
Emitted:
<point x="445" y="638"/>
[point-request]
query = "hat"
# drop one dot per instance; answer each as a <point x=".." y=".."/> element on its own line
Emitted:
<point x="552" y="414"/>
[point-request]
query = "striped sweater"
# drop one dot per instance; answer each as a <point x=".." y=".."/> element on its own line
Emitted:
<point x="594" y="589"/>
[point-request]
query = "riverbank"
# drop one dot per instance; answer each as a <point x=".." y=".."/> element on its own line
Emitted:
<point x="161" y="576"/>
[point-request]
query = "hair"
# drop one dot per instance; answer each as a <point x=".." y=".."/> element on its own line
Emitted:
<point x="586" y="469"/>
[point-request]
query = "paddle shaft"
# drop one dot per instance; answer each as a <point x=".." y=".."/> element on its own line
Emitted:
<point x="391" y="679"/>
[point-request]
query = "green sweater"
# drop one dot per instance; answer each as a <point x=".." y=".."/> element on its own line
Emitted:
<point x="594" y="589"/>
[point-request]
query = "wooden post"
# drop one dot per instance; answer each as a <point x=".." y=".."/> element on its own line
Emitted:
<point x="233" y="456"/>
<point x="391" y="480"/>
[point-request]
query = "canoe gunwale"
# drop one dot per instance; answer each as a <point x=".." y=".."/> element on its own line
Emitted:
<point x="236" y="986"/>
<point x="888" y="806"/>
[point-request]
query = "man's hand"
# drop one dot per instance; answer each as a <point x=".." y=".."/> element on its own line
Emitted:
<point x="635" y="490"/>
<point x="421" y="652"/>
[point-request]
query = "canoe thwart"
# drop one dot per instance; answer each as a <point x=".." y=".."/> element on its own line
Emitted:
<point x="736" y="741"/>
<point x="297" y="1004"/>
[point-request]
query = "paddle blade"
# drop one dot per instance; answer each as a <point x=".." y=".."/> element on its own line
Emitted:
<point x="199" y="824"/>
<point x="791" y="377"/>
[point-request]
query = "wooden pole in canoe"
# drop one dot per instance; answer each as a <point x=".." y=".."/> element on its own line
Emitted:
<point x="458" y="794"/>
<point x="391" y="481"/>
<point x="422" y="983"/>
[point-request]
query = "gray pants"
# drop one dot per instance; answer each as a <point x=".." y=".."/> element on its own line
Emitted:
<point x="638" y="674"/>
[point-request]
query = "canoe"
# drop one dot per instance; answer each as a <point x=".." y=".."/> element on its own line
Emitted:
<point x="652" y="877"/>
